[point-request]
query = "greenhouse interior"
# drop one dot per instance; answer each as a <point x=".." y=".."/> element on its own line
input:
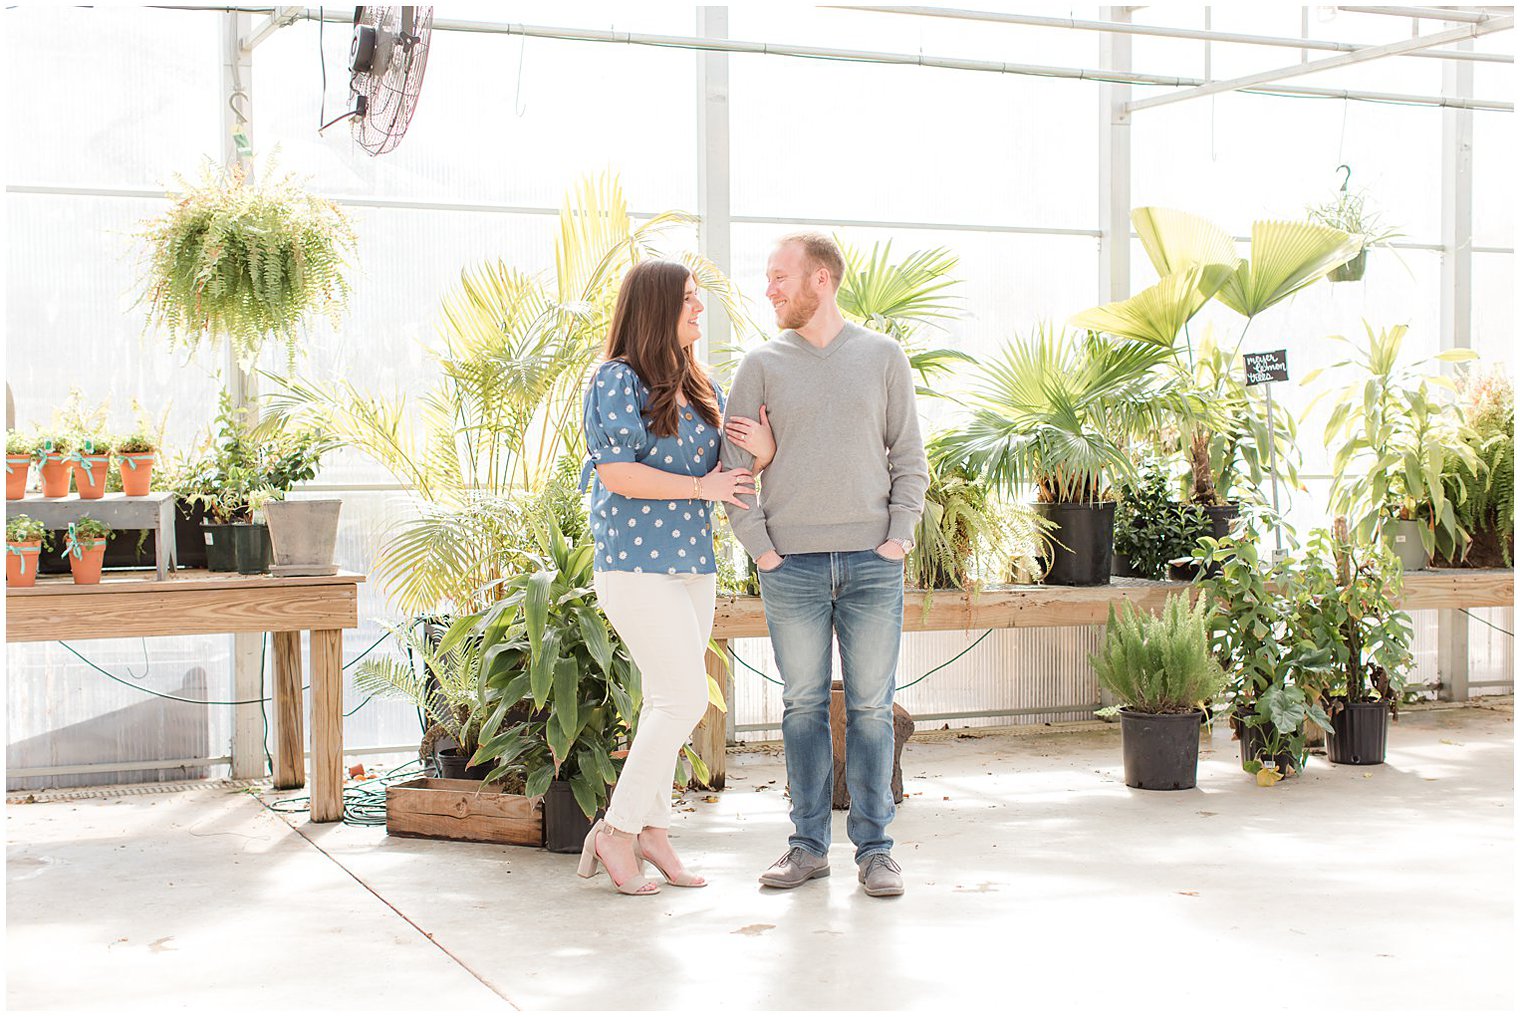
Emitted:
<point x="1158" y="592"/>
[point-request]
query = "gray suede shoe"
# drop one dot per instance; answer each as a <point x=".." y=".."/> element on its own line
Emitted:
<point x="794" y="868"/>
<point x="881" y="876"/>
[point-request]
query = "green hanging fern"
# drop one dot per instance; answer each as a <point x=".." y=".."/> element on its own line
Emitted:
<point x="245" y="262"/>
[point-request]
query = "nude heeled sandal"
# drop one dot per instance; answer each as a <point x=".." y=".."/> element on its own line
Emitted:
<point x="588" y="865"/>
<point x="683" y="879"/>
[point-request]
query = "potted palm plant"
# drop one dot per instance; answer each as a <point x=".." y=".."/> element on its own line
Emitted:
<point x="1161" y="670"/>
<point x="20" y="450"/>
<point x="1048" y="412"/>
<point x="1345" y="594"/>
<point x="1392" y="438"/>
<point x="24" y="541"/>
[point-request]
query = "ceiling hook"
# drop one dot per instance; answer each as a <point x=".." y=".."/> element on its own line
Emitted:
<point x="232" y="104"/>
<point x="1347" y="178"/>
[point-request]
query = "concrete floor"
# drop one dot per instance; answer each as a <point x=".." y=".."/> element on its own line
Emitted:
<point x="1034" y="875"/>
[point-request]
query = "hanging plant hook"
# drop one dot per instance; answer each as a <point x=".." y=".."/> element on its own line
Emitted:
<point x="1346" y="180"/>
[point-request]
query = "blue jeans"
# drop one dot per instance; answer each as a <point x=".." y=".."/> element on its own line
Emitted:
<point x="809" y="598"/>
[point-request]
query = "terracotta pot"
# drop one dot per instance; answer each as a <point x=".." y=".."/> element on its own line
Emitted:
<point x="136" y="473"/>
<point x="55" y="475"/>
<point x="86" y="565"/>
<point x="21" y="562"/>
<point x="91" y="482"/>
<point x="18" y="471"/>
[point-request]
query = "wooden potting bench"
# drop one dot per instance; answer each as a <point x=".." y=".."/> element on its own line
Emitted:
<point x="195" y="602"/>
<point x="1060" y="606"/>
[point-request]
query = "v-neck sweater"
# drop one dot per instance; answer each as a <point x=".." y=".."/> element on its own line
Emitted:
<point x="850" y="470"/>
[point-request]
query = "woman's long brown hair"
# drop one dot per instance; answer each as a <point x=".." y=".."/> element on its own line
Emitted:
<point x="643" y="333"/>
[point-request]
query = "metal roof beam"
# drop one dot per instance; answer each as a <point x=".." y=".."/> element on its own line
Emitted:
<point x="1469" y="31"/>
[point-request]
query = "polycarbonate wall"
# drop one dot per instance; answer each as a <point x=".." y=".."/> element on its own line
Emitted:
<point x="1003" y="169"/>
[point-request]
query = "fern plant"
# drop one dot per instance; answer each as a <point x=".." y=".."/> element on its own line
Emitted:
<point x="245" y="262"/>
<point x="455" y="698"/>
<point x="1161" y="663"/>
<point x="1483" y="491"/>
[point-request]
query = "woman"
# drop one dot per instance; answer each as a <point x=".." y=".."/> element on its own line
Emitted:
<point x="653" y="422"/>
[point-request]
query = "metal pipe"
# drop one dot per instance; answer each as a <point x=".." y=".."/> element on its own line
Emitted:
<point x="171" y="764"/>
<point x="1160" y="31"/>
<point x="1329" y="63"/>
<point x="1432" y="13"/>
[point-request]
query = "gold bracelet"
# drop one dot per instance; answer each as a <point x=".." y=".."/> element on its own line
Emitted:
<point x="696" y="488"/>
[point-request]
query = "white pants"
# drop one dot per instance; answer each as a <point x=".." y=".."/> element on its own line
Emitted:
<point x="666" y="621"/>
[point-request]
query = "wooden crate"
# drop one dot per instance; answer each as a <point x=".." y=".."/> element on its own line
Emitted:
<point x="462" y="810"/>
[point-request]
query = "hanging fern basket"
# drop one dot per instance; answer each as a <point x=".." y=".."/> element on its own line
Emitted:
<point x="246" y="263"/>
<point x="1351" y="271"/>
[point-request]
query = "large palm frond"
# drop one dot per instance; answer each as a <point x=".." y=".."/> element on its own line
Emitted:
<point x="1157" y="314"/>
<point x="1285" y="257"/>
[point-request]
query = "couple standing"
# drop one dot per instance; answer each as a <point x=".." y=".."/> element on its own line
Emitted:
<point x="825" y="415"/>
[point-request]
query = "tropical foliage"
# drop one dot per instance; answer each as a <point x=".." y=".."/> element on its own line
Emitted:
<point x="510" y="358"/>
<point x="1484" y="496"/>
<point x="446" y="684"/>
<point x="1151" y="528"/>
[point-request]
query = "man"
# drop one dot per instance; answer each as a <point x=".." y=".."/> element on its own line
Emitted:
<point x="834" y="520"/>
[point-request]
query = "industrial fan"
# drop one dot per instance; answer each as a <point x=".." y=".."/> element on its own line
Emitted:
<point x="387" y="59"/>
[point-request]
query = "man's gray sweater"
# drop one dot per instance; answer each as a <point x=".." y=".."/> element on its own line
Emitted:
<point x="850" y="470"/>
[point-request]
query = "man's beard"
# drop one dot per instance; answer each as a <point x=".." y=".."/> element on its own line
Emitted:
<point x="799" y="310"/>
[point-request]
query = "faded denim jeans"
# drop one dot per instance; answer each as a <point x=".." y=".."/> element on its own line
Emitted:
<point x="809" y="599"/>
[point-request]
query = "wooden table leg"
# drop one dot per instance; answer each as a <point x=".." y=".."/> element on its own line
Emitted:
<point x="710" y="739"/>
<point x="248" y="760"/>
<point x="289" y="708"/>
<point x="326" y="725"/>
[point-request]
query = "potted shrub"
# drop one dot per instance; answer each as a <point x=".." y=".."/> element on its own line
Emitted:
<point x="445" y="684"/>
<point x="564" y="691"/>
<point x="1151" y="527"/>
<point x="24" y="540"/>
<point x="91" y="461"/>
<point x="20" y="450"/>
<point x="1345" y="596"/>
<point x="1049" y="412"/>
<point x="1349" y="213"/>
<point x="245" y="262"/>
<point x="1161" y="669"/>
<point x="136" y="452"/>
<point x="86" y="549"/>
<point x="1391" y="439"/>
<point x="1275" y="686"/>
<point x="53" y="457"/>
<point x="1483" y="497"/>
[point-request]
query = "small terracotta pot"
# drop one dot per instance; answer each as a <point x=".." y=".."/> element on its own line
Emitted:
<point x="21" y="568"/>
<point x="86" y="567"/>
<point x="55" y="475"/>
<point x="18" y="471"/>
<point x="136" y="473"/>
<point x="91" y="483"/>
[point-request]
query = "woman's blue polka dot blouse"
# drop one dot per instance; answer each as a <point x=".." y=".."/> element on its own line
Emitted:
<point x="640" y="534"/>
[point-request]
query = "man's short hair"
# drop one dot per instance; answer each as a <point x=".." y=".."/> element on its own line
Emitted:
<point x="818" y="251"/>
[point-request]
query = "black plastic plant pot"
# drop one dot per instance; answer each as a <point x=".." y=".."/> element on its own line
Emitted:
<point x="565" y="825"/>
<point x="1124" y="568"/>
<point x="456" y="766"/>
<point x="221" y="555"/>
<point x="1359" y="734"/>
<point x="250" y="544"/>
<point x="1351" y="271"/>
<point x="1084" y="542"/>
<point x="189" y="539"/>
<point x="1220" y="518"/>
<point x="1160" y="749"/>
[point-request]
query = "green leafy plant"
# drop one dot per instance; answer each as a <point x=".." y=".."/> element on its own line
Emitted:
<point x="511" y="359"/>
<point x="22" y="443"/>
<point x="1162" y="663"/>
<point x="903" y="299"/>
<point x="1151" y="528"/>
<point x="563" y="690"/>
<point x="139" y="442"/>
<point x="1051" y="409"/>
<point x="21" y="529"/>
<point x="1484" y="497"/>
<point x="90" y="528"/>
<point x="1350" y="213"/>
<point x="1393" y="438"/>
<point x="1345" y="596"/>
<point x="232" y="259"/>
<point x="447" y="685"/>
<point x="242" y="468"/>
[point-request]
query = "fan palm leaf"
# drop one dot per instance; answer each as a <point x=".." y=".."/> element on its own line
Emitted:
<point x="1157" y="314"/>
<point x="1285" y="257"/>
